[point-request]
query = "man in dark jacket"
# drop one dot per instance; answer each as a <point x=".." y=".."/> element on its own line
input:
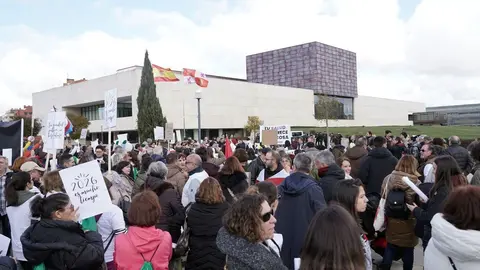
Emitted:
<point x="377" y="165"/>
<point x="461" y="155"/>
<point x="356" y="155"/>
<point x="257" y="165"/>
<point x="300" y="199"/>
<point x="329" y="172"/>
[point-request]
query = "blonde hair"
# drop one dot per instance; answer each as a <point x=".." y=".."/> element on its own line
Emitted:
<point x="408" y="164"/>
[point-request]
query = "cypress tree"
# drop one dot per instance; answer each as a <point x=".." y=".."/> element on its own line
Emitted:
<point x="149" y="109"/>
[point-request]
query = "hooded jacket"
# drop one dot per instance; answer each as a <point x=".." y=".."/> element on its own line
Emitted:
<point x="462" y="246"/>
<point x="244" y="255"/>
<point x="356" y="155"/>
<point x="300" y="199"/>
<point x="329" y="179"/>
<point x="153" y="244"/>
<point x="62" y="245"/>
<point x="379" y="163"/>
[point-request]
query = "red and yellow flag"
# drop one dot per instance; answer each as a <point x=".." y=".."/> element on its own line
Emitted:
<point x="163" y="74"/>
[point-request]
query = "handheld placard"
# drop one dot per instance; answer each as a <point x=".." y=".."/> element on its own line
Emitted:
<point x="415" y="188"/>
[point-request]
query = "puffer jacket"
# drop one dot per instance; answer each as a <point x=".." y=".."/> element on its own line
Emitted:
<point x="176" y="176"/>
<point x="401" y="232"/>
<point x="462" y="246"/>
<point x="463" y="158"/>
<point x="62" y="245"/>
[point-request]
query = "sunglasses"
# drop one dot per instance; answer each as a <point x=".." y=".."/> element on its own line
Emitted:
<point x="267" y="216"/>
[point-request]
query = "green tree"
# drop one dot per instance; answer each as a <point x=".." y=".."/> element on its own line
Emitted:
<point x="149" y="109"/>
<point x="253" y="124"/>
<point x="27" y="125"/>
<point x="327" y="108"/>
<point x="79" y="122"/>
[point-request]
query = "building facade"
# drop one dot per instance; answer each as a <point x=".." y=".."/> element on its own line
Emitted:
<point x="453" y="115"/>
<point x="280" y="90"/>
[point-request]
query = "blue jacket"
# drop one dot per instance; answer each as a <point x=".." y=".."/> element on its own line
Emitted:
<point x="300" y="199"/>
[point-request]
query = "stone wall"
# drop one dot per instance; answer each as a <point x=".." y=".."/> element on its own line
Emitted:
<point x="316" y="66"/>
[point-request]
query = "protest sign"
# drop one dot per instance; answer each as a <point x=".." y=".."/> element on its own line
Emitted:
<point x="55" y="130"/>
<point x="158" y="133"/>
<point x="7" y="152"/>
<point x="269" y="137"/>
<point x="284" y="133"/>
<point x="169" y="132"/>
<point x="111" y="108"/>
<point x="83" y="134"/>
<point x="86" y="188"/>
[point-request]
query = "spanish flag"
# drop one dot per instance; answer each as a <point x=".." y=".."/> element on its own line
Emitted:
<point x="163" y="74"/>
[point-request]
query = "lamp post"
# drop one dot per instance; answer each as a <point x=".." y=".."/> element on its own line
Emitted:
<point x="198" y="96"/>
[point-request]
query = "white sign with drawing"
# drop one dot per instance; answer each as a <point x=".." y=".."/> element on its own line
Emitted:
<point x="284" y="133"/>
<point x="86" y="188"/>
<point x="111" y="108"/>
<point x="4" y="243"/>
<point x="55" y="130"/>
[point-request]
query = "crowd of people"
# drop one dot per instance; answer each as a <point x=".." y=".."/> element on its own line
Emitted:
<point x="235" y="204"/>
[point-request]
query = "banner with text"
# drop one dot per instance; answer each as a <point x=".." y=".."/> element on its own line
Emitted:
<point x="86" y="188"/>
<point x="56" y="130"/>
<point x="111" y="108"/>
<point x="284" y="133"/>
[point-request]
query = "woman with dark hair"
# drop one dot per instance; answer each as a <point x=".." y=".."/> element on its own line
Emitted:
<point x="142" y="174"/>
<point x="204" y="220"/>
<point x="400" y="231"/>
<point x="247" y="225"/>
<point x="134" y="163"/>
<point x="447" y="177"/>
<point x="18" y="196"/>
<point x="143" y="242"/>
<point x="455" y="242"/>
<point x="344" y="163"/>
<point x="124" y="183"/>
<point x="350" y="194"/>
<point x="233" y="179"/>
<point x="332" y="242"/>
<point x="475" y="173"/>
<point x="173" y="213"/>
<point x="398" y="148"/>
<point x="58" y="240"/>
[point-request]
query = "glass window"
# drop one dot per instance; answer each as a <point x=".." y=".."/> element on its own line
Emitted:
<point x="95" y="112"/>
<point x="341" y="109"/>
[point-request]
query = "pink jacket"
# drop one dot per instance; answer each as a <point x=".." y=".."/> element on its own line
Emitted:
<point x="139" y="241"/>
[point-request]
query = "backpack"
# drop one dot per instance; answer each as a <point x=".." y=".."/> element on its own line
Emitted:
<point x="147" y="265"/>
<point x="396" y="206"/>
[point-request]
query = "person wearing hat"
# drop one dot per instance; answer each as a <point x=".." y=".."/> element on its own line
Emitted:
<point x="35" y="171"/>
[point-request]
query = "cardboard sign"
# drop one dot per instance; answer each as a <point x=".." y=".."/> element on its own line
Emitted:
<point x="86" y="188"/>
<point x="55" y="130"/>
<point x="269" y="137"/>
<point x="111" y="108"/>
<point x="284" y="133"/>
<point x="169" y="132"/>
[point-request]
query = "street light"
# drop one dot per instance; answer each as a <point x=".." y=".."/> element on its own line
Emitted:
<point x="198" y="96"/>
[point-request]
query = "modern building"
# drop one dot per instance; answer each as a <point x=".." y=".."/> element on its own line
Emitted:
<point x="281" y="88"/>
<point x="453" y="115"/>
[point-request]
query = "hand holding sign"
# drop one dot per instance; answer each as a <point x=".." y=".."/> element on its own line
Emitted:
<point x="86" y="188"/>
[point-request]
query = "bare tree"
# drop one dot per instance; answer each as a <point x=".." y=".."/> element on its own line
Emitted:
<point x="327" y="108"/>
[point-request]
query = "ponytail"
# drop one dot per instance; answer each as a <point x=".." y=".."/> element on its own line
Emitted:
<point x="44" y="207"/>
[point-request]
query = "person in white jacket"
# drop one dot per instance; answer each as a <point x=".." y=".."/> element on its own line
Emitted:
<point x="455" y="242"/>
<point x="196" y="175"/>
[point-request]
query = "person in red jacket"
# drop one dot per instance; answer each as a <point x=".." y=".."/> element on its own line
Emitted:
<point x="143" y="242"/>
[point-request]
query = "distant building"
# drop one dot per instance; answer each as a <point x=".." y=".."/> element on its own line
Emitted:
<point x="26" y="112"/>
<point x="453" y="115"/>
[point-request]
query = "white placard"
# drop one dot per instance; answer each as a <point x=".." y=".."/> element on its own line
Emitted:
<point x="4" y="243"/>
<point x="94" y="144"/>
<point x="284" y="133"/>
<point x="56" y="130"/>
<point x="158" y="133"/>
<point x="83" y="134"/>
<point x="111" y="108"/>
<point x="122" y="137"/>
<point x="86" y="188"/>
<point x="178" y="135"/>
<point x="296" y="263"/>
<point x="415" y="188"/>
<point x="7" y="152"/>
<point x="169" y="132"/>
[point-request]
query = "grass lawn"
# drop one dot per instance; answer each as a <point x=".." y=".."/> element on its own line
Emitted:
<point x="464" y="132"/>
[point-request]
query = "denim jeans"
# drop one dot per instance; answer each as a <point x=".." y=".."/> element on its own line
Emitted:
<point x="391" y="250"/>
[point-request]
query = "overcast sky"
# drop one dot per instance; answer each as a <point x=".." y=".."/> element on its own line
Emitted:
<point x="420" y="50"/>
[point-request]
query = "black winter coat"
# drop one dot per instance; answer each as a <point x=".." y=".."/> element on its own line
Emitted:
<point x="377" y="165"/>
<point x="329" y="179"/>
<point x="62" y="245"/>
<point x="173" y="213"/>
<point x="236" y="182"/>
<point x="463" y="158"/>
<point x="434" y="205"/>
<point x="204" y="221"/>
<point x="255" y="167"/>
